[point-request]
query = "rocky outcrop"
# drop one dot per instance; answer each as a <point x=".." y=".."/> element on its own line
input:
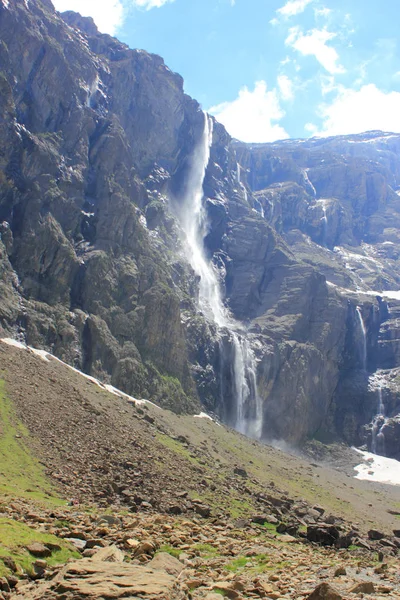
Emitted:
<point x="97" y="143"/>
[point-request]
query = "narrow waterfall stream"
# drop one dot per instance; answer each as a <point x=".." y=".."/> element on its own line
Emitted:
<point x="379" y="421"/>
<point x="248" y="406"/>
<point x="258" y="206"/>
<point x="363" y="338"/>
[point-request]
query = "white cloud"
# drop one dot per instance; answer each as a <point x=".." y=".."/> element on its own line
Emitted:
<point x="356" y="111"/>
<point x="149" y="4"/>
<point x="322" y="12"/>
<point x="314" y="43"/>
<point x="285" y="86"/>
<point x="274" y="22"/>
<point x="328" y="85"/>
<point x="107" y="14"/>
<point x="250" y="117"/>
<point x="293" y="7"/>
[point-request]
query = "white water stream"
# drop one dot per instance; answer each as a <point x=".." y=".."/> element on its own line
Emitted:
<point x="192" y="215"/>
<point x="258" y="206"/>
<point x="376" y="383"/>
<point x="363" y="338"/>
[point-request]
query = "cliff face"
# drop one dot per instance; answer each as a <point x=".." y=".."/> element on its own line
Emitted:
<point x="97" y="141"/>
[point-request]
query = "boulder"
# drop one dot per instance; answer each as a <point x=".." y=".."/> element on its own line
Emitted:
<point x="325" y="591"/>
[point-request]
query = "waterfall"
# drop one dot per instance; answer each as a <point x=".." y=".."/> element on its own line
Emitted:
<point x="379" y="420"/>
<point x="194" y="225"/>
<point x="258" y="207"/>
<point x="192" y="216"/>
<point x="239" y="180"/>
<point x="363" y="338"/>
<point x="324" y="220"/>
<point x="309" y="183"/>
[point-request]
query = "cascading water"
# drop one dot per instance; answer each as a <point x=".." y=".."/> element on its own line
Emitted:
<point x="308" y="183"/>
<point x="379" y="421"/>
<point x="324" y="220"/>
<point x="363" y="333"/>
<point x="248" y="406"/>
<point x="257" y="205"/>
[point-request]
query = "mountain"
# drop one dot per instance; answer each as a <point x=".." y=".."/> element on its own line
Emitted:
<point x="144" y="246"/>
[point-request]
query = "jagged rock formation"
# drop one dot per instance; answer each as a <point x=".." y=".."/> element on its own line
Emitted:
<point x="97" y="141"/>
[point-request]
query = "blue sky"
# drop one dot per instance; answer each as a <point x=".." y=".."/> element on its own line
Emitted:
<point x="271" y="69"/>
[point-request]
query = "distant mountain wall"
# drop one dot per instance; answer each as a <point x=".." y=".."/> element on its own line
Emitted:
<point x="96" y="143"/>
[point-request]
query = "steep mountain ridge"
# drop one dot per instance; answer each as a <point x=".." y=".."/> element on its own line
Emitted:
<point x="98" y="140"/>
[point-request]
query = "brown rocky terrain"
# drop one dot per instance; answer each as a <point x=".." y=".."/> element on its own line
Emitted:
<point x="181" y="507"/>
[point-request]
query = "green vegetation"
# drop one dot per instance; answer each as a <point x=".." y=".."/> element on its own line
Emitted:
<point x="176" y="447"/>
<point x="239" y="508"/>
<point x="206" y="550"/>
<point x="175" y="552"/>
<point x="270" y="527"/>
<point x="20" y="473"/>
<point x="254" y="564"/>
<point x="14" y="536"/>
<point x="237" y="564"/>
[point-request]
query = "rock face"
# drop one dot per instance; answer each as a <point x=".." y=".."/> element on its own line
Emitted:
<point x="97" y="141"/>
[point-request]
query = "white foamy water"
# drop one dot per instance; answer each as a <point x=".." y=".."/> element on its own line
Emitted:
<point x="378" y="468"/>
<point x="363" y="338"/>
<point x="193" y="219"/>
<point x="308" y="182"/>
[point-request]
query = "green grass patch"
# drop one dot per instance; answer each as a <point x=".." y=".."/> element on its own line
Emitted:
<point x="175" y="552"/>
<point x="270" y="527"/>
<point x="237" y="564"/>
<point x="20" y="472"/>
<point x="176" y="447"/>
<point x="206" y="550"/>
<point x="254" y="564"/>
<point x="14" y="536"/>
<point x="239" y="508"/>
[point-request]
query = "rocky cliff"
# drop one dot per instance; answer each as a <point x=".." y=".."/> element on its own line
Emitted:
<point x="97" y="143"/>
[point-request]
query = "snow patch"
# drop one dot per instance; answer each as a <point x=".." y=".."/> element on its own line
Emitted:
<point x="378" y="468"/>
<point x="391" y="294"/>
<point x="15" y="343"/>
<point x="46" y="356"/>
<point x="40" y="353"/>
<point x="203" y="415"/>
